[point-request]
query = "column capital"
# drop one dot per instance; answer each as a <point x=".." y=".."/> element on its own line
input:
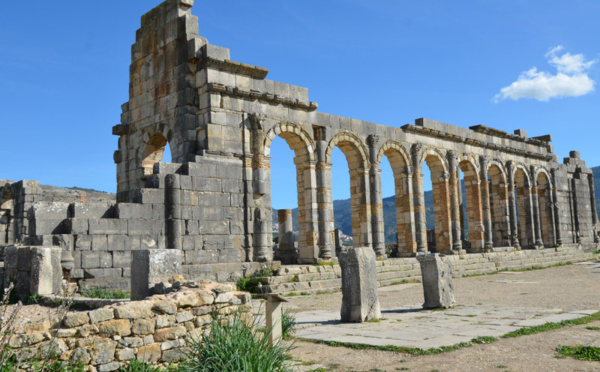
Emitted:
<point x="372" y="140"/>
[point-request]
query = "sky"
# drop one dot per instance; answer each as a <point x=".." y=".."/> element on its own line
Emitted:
<point x="513" y="64"/>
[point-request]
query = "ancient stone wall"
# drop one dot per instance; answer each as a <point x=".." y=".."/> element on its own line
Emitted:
<point x="219" y="118"/>
<point x="153" y="330"/>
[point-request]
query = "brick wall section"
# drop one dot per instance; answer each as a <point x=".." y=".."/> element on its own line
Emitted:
<point x="153" y="330"/>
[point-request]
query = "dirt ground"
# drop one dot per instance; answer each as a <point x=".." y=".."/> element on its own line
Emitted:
<point x="572" y="287"/>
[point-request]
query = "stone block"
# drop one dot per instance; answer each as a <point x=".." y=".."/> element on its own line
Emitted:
<point x="436" y="273"/>
<point x="153" y="266"/>
<point x="46" y="272"/>
<point x="360" y="301"/>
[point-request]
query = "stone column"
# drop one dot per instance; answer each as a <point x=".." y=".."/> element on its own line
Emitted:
<point x="262" y="237"/>
<point x="485" y="196"/>
<point x="535" y="199"/>
<point x="324" y="202"/>
<point x="360" y="301"/>
<point x="512" y="205"/>
<point x="376" y="199"/>
<point x="338" y="242"/>
<point x="286" y="251"/>
<point x="557" y="227"/>
<point x="454" y="202"/>
<point x="419" y="200"/>
<point x="594" y="210"/>
<point x="576" y="209"/>
<point x="173" y="211"/>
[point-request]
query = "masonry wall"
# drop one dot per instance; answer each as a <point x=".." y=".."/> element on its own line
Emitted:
<point x="151" y="331"/>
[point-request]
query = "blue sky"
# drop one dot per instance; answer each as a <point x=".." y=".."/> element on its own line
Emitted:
<point x="513" y="64"/>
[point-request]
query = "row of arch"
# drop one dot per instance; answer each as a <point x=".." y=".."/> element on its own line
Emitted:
<point x="507" y="204"/>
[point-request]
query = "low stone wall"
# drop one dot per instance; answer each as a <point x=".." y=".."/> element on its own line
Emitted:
<point x="304" y="279"/>
<point x="153" y="330"/>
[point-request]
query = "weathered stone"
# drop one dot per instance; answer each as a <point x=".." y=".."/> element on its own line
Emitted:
<point x="102" y="350"/>
<point x="132" y="342"/>
<point x="163" y="321"/>
<point x="110" y="328"/>
<point x="165" y="307"/>
<point x="143" y="326"/>
<point x="360" y="301"/>
<point x="171" y="333"/>
<point x="133" y="310"/>
<point x="124" y="355"/>
<point x="112" y="366"/>
<point x="100" y="315"/>
<point x="75" y="319"/>
<point x="151" y="267"/>
<point x="184" y="316"/>
<point x="436" y="271"/>
<point x="149" y="353"/>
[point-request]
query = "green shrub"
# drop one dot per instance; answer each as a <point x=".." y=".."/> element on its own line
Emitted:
<point x="287" y="324"/>
<point x="234" y="346"/>
<point x="246" y="284"/>
<point x="104" y="293"/>
<point x="579" y="352"/>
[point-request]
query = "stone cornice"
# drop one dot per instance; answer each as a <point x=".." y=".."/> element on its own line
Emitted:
<point x="262" y="96"/>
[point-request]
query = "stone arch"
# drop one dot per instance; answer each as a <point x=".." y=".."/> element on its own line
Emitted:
<point x="546" y="206"/>
<point x="499" y="213"/>
<point x="525" y="216"/>
<point x="358" y="163"/>
<point x="155" y="139"/>
<point x="302" y="145"/>
<point x="405" y="222"/>
<point x="440" y="178"/>
<point x="474" y="206"/>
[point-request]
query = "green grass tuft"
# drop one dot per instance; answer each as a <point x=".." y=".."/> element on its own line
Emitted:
<point x="551" y="326"/>
<point x="579" y="352"/>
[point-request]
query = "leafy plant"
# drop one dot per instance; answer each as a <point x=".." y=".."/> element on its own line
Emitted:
<point x="233" y="346"/>
<point x="135" y="365"/>
<point x="579" y="352"/>
<point x="33" y="299"/>
<point x="8" y="315"/>
<point x="104" y="293"/>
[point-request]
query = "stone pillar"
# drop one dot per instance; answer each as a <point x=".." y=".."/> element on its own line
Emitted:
<point x="151" y="266"/>
<point x="436" y="273"/>
<point x="578" y="234"/>
<point x="274" y="312"/>
<point x="557" y="227"/>
<point x="338" y="242"/>
<point x="173" y="211"/>
<point x="594" y="210"/>
<point x="485" y="203"/>
<point x="286" y="251"/>
<point x="360" y="301"/>
<point x="324" y="201"/>
<point x="455" y="203"/>
<point x="376" y="199"/>
<point x="419" y="200"/>
<point x="512" y="205"/>
<point x="535" y="200"/>
<point x="262" y="238"/>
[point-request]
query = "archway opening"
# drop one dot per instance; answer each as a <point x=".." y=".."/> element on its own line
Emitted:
<point x="397" y="209"/>
<point x="498" y="206"/>
<point x="524" y="209"/>
<point x="471" y="207"/>
<point x="440" y="238"/>
<point x="284" y="186"/>
<point x="341" y="197"/>
<point x="153" y="153"/>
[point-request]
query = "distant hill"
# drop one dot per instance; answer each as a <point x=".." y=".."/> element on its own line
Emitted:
<point x="343" y="218"/>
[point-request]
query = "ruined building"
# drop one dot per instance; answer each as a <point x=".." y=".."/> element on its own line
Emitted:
<point x="213" y="201"/>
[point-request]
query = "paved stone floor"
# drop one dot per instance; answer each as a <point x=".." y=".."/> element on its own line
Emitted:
<point x="411" y="326"/>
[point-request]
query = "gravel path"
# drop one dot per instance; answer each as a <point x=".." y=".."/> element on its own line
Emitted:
<point x="572" y="287"/>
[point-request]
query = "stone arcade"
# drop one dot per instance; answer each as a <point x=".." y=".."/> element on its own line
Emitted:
<point x="213" y="202"/>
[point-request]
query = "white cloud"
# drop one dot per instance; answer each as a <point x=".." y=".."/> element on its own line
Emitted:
<point x="571" y="79"/>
